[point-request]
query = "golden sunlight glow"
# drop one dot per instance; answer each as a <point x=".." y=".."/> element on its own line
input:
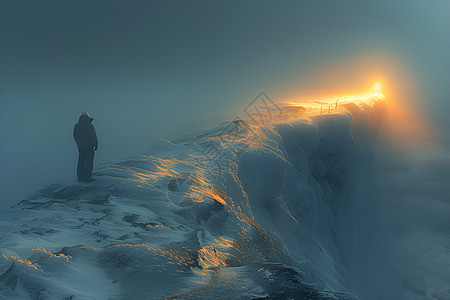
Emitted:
<point x="330" y="105"/>
<point x="400" y="114"/>
<point x="377" y="87"/>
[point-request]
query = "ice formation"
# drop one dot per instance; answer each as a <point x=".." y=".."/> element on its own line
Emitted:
<point x="287" y="210"/>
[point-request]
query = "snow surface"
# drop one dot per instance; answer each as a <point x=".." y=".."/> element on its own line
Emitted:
<point x="413" y="185"/>
<point x="284" y="211"/>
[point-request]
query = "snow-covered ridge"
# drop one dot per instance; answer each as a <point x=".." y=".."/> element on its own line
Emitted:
<point x="284" y="211"/>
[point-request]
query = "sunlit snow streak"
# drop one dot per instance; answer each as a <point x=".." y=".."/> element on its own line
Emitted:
<point x="25" y="262"/>
<point x="182" y="256"/>
<point x="66" y="257"/>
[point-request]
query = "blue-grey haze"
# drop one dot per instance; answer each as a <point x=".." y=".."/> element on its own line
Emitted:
<point x="147" y="70"/>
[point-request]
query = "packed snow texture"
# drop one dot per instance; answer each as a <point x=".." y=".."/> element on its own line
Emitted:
<point x="286" y="211"/>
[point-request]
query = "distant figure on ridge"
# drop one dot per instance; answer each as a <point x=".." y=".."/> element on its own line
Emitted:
<point x="86" y="138"/>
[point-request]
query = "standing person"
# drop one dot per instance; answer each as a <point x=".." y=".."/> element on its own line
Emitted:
<point x="86" y="138"/>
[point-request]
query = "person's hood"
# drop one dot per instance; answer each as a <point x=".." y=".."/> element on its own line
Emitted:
<point x="85" y="119"/>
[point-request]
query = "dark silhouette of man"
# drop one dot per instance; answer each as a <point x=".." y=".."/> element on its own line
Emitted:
<point x="86" y="138"/>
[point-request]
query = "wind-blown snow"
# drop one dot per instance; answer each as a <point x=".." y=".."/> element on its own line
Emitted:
<point x="286" y="211"/>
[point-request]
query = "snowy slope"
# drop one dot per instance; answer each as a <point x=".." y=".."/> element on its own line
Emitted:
<point x="282" y="211"/>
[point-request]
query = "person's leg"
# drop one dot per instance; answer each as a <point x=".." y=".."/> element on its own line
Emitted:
<point x="81" y="165"/>
<point x="89" y="164"/>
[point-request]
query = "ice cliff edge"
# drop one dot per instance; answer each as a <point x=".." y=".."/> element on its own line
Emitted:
<point x="284" y="211"/>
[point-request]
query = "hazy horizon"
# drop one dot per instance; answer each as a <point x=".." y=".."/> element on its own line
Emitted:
<point x="145" y="69"/>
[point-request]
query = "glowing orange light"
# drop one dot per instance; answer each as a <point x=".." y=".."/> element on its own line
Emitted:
<point x="66" y="257"/>
<point x="26" y="262"/>
<point x="377" y="87"/>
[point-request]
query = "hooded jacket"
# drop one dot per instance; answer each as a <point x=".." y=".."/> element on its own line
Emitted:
<point x="84" y="134"/>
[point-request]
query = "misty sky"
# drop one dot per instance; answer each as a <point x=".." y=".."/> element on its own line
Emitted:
<point x="147" y="70"/>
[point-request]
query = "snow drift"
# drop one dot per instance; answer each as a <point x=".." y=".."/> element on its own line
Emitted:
<point x="283" y="211"/>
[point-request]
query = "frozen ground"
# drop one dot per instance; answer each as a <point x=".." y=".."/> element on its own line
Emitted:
<point x="284" y="211"/>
